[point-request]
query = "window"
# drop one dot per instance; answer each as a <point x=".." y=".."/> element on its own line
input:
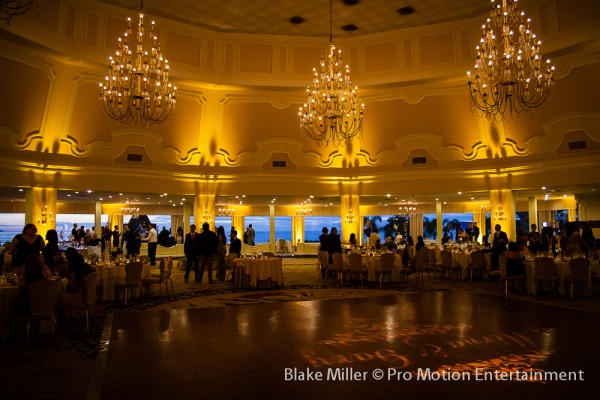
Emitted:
<point x="11" y="224"/>
<point x="225" y="222"/>
<point x="313" y="227"/>
<point x="283" y="228"/>
<point x="262" y="227"/>
<point x="385" y="225"/>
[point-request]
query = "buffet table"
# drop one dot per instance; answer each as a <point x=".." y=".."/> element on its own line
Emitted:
<point x="251" y="273"/>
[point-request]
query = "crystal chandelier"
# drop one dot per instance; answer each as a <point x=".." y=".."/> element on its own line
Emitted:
<point x="303" y="212"/>
<point x="206" y="217"/>
<point x="333" y="112"/>
<point x="509" y="75"/>
<point x="133" y="211"/>
<point x="226" y="212"/>
<point x="499" y="214"/>
<point x="350" y="218"/>
<point x="137" y="86"/>
<point x="407" y="210"/>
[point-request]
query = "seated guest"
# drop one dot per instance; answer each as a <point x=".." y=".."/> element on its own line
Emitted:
<point x="389" y="243"/>
<point x="523" y="248"/>
<point x="353" y="241"/>
<point x="78" y="269"/>
<point x="35" y="270"/>
<point x="59" y="264"/>
<point x="420" y="243"/>
<point x="446" y="239"/>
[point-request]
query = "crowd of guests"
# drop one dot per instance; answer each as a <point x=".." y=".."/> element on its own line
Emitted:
<point x="34" y="259"/>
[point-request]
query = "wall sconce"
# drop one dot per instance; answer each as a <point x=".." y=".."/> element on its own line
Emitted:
<point x="46" y="216"/>
<point x="206" y="217"/>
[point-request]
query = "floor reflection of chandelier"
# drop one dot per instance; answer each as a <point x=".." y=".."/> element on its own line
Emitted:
<point x="332" y="113"/>
<point x="137" y="86"/>
<point x="509" y="75"/>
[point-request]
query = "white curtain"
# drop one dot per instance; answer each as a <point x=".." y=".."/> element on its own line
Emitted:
<point x="416" y="226"/>
<point x="176" y="222"/>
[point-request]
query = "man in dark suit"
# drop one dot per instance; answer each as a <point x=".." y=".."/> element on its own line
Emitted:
<point x="208" y="247"/>
<point x="235" y="247"/>
<point x="190" y="248"/>
<point x="498" y="246"/>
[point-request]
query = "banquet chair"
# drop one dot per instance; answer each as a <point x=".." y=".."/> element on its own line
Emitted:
<point x="447" y="264"/>
<point x="504" y="278"/>
<point x="338" y="266"/>
<point x="158" y="279"/>
<point x="282" y="246"/>
<point x="229" y="267"/>
<point x="387" y="267"/>
<point x="43" y="296"/>
<point x="356" y="267"/>
<point x="90" y="293"/>
<point x="580" y="273"/>
<point x="133" y="270"/>
<point x="434" y="264"/>
<point x="324" y="262"/>
<point x="421" y="261"/>
<point x="545" y="271"/>
<point x="477" y="263"/>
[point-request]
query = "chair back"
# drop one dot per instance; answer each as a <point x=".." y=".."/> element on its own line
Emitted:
<point x="337" y="262"/>
<point x="231" y="259"/>
<point x="387" y="262"/>
<point x="544" y="268"/>
<point x="432" y="257"/>
<point x="355" y="262"/>
<point x="446" y="259"/>
<point x="420" y="259"/>
<point x="282" y="246"/>
<point x="580" y="269"/>
<point x="502" y="261"/>
<point x="89" y="283"/>
<point x="324" y="258"/>
<point x="477" y="259"/>
<point x="168" y="267"/>
<point x="134" y="272"/>
<point x="42" y="296"/>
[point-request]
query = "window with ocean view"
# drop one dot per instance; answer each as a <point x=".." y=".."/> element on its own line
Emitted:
<point x="11" y="224"/>
<point x="313" y="227"/>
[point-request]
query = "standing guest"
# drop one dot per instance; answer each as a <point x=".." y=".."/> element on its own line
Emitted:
<point x="324" y="246"/>
<point x="251" y="235"/>
<point x="222" y="252"/>
<point x="334" y="245"/>
<point x="420" y="243"/>
<point x="571" y="243"/>
<point x="587" y="235"/>
<point x="25" y="244"/>
<point x="208" y="247"/>
<point x="469" y="231"/>
<point x="75" y="233"/>
<point x="50" y="248"/>
<point x="374" y="239"/>
<point x="163" y="237"/>
<point x="474" y="233"/>
<point x="235" y="247"/>
<point x="190" y="248"/>
<point x="81" y="234"/>
<point x="499" y="243"/>
<point x="126" y="240"/>
<point x="115" y="241"/>
<point x="152" y="239"/>
<point x="534" y="239"/>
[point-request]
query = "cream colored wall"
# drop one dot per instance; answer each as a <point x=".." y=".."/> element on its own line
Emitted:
<point x="237" y="107"/>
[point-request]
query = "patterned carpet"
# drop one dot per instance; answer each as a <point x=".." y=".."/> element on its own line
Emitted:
<point x="47" y="371"/>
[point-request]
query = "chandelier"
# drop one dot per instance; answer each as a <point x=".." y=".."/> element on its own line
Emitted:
<point x="13" y="8"/>
<point x="499" y="214"/>
<point x="46" y="216"/>
<point x="350" y="218"/>
<point x="137" y="86"/>
<point x="407" y="210"/>
<point x="206" y="217"/>
<point x="226" y="212"/>
<point x="509" y="75"/>
<point x="333" y="112"/>
<point x="133" y="211"/>
<point x="303" y="212"/>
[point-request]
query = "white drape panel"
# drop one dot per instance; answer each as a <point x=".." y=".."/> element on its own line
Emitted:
<point x="176" y="222"/>
<point x="416" y="226"/>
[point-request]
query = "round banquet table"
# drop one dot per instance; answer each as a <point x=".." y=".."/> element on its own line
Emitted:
<point x="249" y="272"/>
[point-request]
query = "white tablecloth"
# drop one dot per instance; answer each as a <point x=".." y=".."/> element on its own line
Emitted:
<point x="373" y="263"/>
<point x="109" y="275"/>
<point x="562" y="270"/>
<point x="458" y="259"/>
<point x="259" y="269"/>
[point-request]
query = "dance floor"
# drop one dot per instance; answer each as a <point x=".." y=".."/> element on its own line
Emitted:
<point x="436" y="344"/>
